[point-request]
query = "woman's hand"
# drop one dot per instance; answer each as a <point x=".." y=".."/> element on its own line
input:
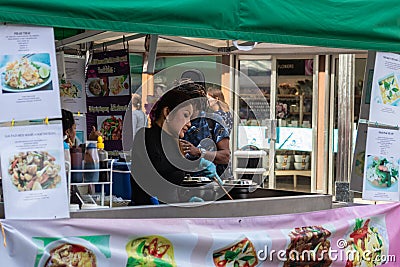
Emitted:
<point x="209" y="170"/>
<point x="94" y="134"/>
<point x="189" y="148"/>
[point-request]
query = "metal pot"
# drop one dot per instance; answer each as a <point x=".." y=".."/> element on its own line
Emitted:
<point x="205" y="190"/>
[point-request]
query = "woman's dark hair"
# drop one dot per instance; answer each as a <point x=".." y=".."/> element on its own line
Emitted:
<point x="67" y="119"/>
<point x="196" y="91"/>
<point x="170" y="99"/>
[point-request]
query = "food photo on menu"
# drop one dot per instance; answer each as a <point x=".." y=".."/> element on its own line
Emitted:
<point x="119" y="85"/>
<point x="367" y="235"/>
<point x="34" y="170"/>
<point x="97" y="87"/>
<point x="70" y="89"/>
<point x="382" y="173"/>
<point x="238" y="249"/>
<point x="389" y="90"/>
<point x="241" y="254"/>
<point x="85" y="251"/>
<point x="110" y="127"/>
<point x="308" y="238"/>
<point x="25" y="72"/>
<point x="153" y="250"/>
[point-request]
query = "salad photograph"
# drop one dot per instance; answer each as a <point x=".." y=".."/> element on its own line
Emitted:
<point x="110" y="127"/>
<point x="365" y="237"/>
<point x="154" y="251"/>
<point x="389" y="89"/>
<point x="382" y="172"/>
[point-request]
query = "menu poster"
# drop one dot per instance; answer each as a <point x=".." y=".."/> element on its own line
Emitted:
<point x="33" y="171"/>
<point x="108" y="74"/>
<point x="357" y="171"/>
<point x="28" y="74"/>
<point x="381" y="168"/>
<point x="72" y="85"/>
<point x="80" y="122"/>
<point x="385" y="95"/>
<point x="108" y="95"/>
<point x="106" y="114"/>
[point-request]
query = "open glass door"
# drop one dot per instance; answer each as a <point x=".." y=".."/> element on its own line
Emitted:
<point x="294" y="112"/>
<point x="252" y="101"/>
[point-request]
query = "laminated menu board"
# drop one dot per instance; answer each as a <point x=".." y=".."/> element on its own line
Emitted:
<point x="33" y="172"/>
<point x="381" y="165"/>
<point x="28" y="73"/>
<point x="108" y="95"/>
<point x="72" y="85"/>
<point x="357" y="173"/>
<point x="385" y="94"/>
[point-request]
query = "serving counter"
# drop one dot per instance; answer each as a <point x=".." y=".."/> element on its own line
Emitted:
<point x="260" y="202"/>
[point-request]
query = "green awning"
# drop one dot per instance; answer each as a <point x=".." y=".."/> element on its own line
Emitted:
<point x="359" y="24"/>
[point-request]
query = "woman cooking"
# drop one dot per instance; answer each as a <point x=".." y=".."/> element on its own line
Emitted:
<point x="158" y="162"/>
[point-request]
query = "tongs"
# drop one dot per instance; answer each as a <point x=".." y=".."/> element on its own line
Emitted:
<point x="222" y="187"/>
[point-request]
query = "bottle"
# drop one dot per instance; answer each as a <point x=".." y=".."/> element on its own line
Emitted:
<point x="76" y="164"/>
<point x="103" y="159"/>
<point x="91" y="162"/>
<point x="67" y="155"/>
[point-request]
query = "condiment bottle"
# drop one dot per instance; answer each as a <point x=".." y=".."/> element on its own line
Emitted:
<point x="76" y="164"/>
<point x="91" y="162"/>
<point x="103" y="159"/>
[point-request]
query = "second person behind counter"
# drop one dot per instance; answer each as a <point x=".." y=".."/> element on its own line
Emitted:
<point x="207" y="137"/>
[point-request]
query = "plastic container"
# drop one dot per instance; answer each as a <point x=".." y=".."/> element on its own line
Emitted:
<point x="121" y="181"/>
<point x="67" y="155"/>
<point x="76" y="164"/>
<point x="91" y="162"/>
<point x="103" y="160"/>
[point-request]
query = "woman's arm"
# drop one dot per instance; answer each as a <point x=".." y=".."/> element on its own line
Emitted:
<point x="221" y="156"/>
<point x="134" y="122"/>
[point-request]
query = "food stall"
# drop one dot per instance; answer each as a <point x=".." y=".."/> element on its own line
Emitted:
<point x="222" y="22"/>
<point x="261" y="32"/>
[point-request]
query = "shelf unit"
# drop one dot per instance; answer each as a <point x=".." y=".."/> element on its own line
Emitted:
<point x="257" y="154"/>
<point x="102" y="195"/>
<point x="293" y="173"/>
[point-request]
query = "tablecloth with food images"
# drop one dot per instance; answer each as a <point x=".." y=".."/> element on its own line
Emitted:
<point x="352" y="236"/>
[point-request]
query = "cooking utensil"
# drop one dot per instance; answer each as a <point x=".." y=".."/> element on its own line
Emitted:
<point x="222" y="187"/>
